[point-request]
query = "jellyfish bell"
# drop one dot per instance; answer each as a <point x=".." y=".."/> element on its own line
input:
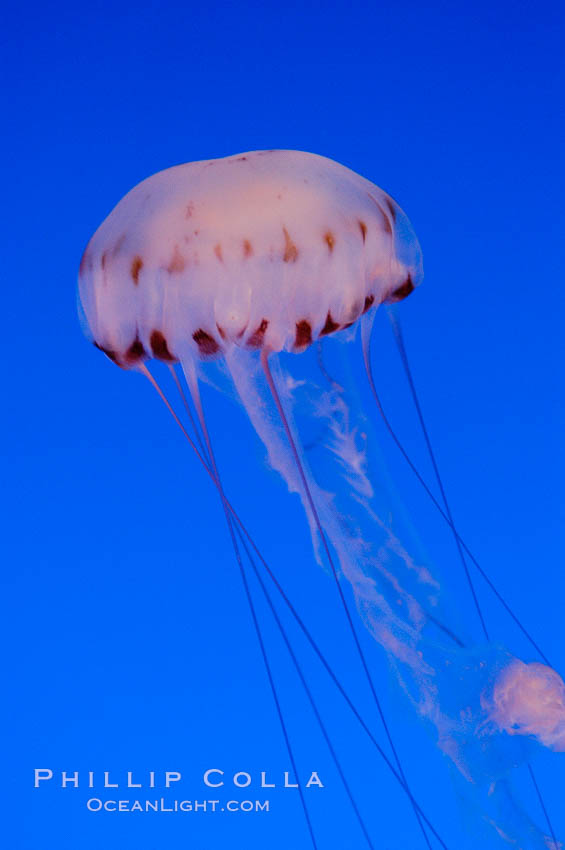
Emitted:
<point x="268" y="249"/>
<point x="529" y="700"/>
<point x="265" y="251"/>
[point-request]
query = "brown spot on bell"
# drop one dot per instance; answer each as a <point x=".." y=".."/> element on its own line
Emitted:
<point x="177" y="263"/>
<point x="160" y="348"/>
<point x="290" y="250"/>
<point x="136" y="266"/>
<point x="402" y="291"/>
<point x="329" y="239"/>
<point x="109" y="353"/>
<point x="135" y="352"/>
<point x="330" y="326"/>
<point x="369" y="301"/>
<point x="206" y="343"/>
<point x="256" y="338"/>
<point x="363" y="229"/>
<point x="303" y="334"/>
<point x="247" y="248"/>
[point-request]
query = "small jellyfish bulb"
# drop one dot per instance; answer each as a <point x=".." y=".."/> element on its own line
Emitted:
<point x="529" y="699"/>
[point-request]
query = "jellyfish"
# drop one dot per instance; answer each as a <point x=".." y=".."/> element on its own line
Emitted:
<point x="225" y="270"/>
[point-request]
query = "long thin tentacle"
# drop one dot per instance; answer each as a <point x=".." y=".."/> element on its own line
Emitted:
<point x="432" y="456"/>
<point x="420" y="478"/>
<point x="193" y="386"/>
<point x="307" y="690"/>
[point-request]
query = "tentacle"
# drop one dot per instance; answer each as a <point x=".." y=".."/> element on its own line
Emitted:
<point x="311" y="700"/>
<point x="314" y="512"/>
<point x="299" y="620"/>
<point x="366" y="328"/>
<point x="397" y="330"/>
<point x="192" y="382"/>
<point x="445" y="512"/>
